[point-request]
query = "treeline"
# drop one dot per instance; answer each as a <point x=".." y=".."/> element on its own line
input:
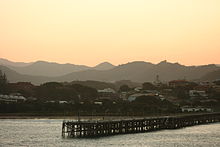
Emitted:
<point x="59" y="91"/>
<point x="48" y="91"/>
<point x="144" y="105"/>
<point x="3" y="83"/>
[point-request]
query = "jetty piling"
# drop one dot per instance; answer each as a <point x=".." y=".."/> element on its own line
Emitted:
<point x="89" y="129"/>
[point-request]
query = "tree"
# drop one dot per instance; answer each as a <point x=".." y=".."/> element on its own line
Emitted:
<point x="217" y="82"/>
<point x="148" y="86"/>
<point x="3" y="82"/>
<point x="124" y="88"/>
<point x="58" y="91"/>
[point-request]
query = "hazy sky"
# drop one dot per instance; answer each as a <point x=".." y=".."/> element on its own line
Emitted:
<point x="92" y="31"/>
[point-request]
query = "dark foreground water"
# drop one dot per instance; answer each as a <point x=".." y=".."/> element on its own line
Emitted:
<point x="47" y="132"/>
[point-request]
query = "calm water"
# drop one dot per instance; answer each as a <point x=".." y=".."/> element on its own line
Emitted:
<point x="47" y="132"/>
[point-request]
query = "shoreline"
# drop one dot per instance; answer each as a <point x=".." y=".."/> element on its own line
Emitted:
<point x="67" y="117"/>
<point x="54" y="116"/>
<point x="74" y="117"/>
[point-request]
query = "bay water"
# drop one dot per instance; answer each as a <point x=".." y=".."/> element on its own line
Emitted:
<point x="47" y="133"/>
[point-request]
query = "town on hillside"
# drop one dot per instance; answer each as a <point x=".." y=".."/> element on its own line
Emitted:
<point x="100" y="98"/>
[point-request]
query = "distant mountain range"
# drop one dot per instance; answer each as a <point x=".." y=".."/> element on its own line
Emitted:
<point x="11" y="63"/>
<point x="13" y="76"/>
<point x="144" y="71"/>
<point x="138" y="71"/>
<point x="50" y="69"/>
<point x="104" y="66"/>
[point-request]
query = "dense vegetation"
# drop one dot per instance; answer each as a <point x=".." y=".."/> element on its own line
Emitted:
<point x="58" y="91"/>
<point x="141" y="106"/>
<point x="82" y="95"/>
<point x="3" y="83"/>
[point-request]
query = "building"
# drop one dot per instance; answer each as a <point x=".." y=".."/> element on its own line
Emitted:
<point x="12" y="98"/>
<point x="195" y="109"/>
<point x="197" y="94"/>
<point x="134" y="96"/>
<point x="206" y="83"/>
<point x="202" y="88"/>
<point x="63" y="102"/>
<point x="107" y="93"/>
<point x="107" y="90"/>
<point x="123" y="95"/>
<point x="155" y="92"/>
<point x="157" y="81"/>
<point x="137" y="89"/>
<point x="216" y="88"/>
<point x="178" y="83"/>
<point x="161" y="97"/>
<point x="98" y="102"/>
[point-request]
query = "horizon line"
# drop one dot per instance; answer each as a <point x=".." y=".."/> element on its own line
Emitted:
<point x="63" y="63"/>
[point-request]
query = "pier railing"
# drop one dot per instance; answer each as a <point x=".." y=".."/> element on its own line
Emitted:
<point x="112" y="127"/>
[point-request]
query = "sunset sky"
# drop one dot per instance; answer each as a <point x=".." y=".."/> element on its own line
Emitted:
<point x="92" y="31"/>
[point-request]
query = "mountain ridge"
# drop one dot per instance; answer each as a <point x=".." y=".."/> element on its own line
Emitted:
<point x="51" y="69"/>
<point x="104" y="66"/>
<point x="211" y="76"/>
<point x="4" y="61"/>
<point x="137" y="71"/>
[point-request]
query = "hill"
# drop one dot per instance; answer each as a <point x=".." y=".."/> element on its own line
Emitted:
<point x="95" y="84"/>
<point x="143" y="71"/>
<point x="104" y="66"/>
<point x="137" y="71"/>
<point x="215" y="75"/>
<point x="13" y="76"/>
<point x="50" y="69"/>
<point x="6" y="62"/>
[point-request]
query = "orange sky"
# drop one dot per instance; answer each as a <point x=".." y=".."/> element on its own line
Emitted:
<point x="92" y="31"/>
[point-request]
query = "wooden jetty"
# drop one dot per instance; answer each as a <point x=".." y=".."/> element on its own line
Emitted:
<point x="89" y="129"/>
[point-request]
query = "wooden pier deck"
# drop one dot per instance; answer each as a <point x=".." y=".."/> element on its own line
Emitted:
<point x="89" y="129"/>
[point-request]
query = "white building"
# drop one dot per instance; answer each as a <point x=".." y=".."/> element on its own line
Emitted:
<point x="134" y="96"/>
<point x="197" y="93"/>
<point x="195" y="109"/>
<point x="107" y="90"/>
<point x="107" y="93"/>
<point x="138" y="89"/>
<point x="206" y="83"/>
<point x="63" y="102"/>
<point x="98" y="103"/>
<point x="161" y="97"/>
<point x="12" y="98"/>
